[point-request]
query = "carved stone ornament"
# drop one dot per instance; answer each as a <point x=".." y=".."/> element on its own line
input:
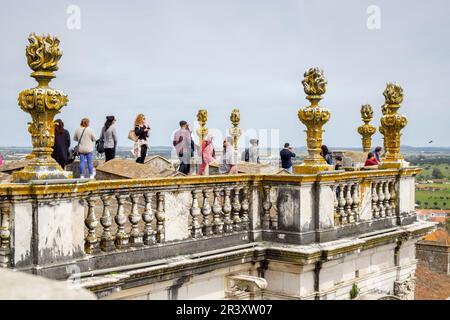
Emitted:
<point x="366" y="130"/>
<point x="313" y="117"/>
<point x="391" y="124"/>
<point x="42" y="103"/>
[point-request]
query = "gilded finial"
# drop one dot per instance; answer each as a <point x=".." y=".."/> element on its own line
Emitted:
<point x="314" y="83"/>
<point x="235" y="117"/>
<point x="236" y="132"/>
<point x="393" y="93"/>
<point x="391" y="124"/>
<point x="43" y="53"/>
<point x="313" y="117"/>
<point x="42" y="103"/>
<point x="202" y="118"/>
<point x="366" y="130"/>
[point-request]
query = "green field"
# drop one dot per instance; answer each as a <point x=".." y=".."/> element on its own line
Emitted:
<point x="439" y="198"/>
<point x="426" y="174"/>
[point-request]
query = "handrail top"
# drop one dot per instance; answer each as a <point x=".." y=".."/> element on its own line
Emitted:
<point x="83" y="186"/>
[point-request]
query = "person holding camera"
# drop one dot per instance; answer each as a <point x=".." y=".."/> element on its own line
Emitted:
<point x="286" y="155"/>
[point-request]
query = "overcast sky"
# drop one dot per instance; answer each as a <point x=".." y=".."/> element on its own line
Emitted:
<point x="167" y="59"/>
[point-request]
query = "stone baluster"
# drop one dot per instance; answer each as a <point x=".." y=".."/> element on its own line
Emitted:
<point x="348" y="203"/>
<point x="195" y="213"/>
<point x="375" y="209"/>
<point x="393" y="199"/>
<point x="206" y="212"/>
<point x="122" y="238"/>
<point x="227" y="210"/>
<point x="107" y="239"/>
<point x="91" y="244"/>
<point x="267" y="205"/>
<point x="356" y="201"/>
<point x="147" y="216"/>
<point x="160" y="218"/>
<point x="337" y="220"/>
<point x="236" y="207"/>
<point x="341" y="204"/>
<point x="136" y="237"/>
<point x="5" y="234"/>
<point x="381" y="199"/>
<point x="244" y="209"/>
<point x="387" y="197"/>
<point x="217" y="210"/>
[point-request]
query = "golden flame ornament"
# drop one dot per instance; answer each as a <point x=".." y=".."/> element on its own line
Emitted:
<point x="235" y="132"/>
<point x="366" y="130"/>
<point x="42" y="103"/>
<point x="313" y="117"/>
<point x="392" y="123"/>
<point x="202" y="118"/>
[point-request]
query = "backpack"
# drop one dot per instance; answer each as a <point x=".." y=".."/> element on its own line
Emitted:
<point x="100" y="144"/>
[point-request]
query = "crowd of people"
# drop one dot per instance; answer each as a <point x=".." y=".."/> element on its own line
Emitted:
<point x="87" y="143"/>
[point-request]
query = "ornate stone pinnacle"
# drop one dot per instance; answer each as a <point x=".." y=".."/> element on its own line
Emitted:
<point x="366" y="130"/>
<point x="391" y="124"/>
<point x="313" y="117"/>
<point x="236" y="132"/>
<point x="42" y="103"/>
<point x="202" y="118"/>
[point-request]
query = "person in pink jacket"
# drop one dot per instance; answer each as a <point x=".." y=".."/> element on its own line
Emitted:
<point x="208" y="153"/>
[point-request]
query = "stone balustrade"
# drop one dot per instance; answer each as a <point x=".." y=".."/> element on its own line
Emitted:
<point x="104" y="224"/>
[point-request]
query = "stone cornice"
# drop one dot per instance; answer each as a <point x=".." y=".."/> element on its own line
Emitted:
<point x="77" y="188"/>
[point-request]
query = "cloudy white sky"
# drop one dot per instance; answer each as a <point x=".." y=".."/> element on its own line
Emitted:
<point x="167" y="59"/>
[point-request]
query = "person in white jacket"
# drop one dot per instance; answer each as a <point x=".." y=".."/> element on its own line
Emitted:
<point x="86" y="142"/>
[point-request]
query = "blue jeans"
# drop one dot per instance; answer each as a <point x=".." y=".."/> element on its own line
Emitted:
<point x="83" y="158"/>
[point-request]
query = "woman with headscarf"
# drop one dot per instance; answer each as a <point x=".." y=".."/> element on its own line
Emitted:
<point x="62" y="143"/>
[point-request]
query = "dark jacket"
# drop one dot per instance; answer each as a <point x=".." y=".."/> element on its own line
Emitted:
<point x="142" y="135"/>
<point x="286" y="156"/>
<point x="61" y="147"/>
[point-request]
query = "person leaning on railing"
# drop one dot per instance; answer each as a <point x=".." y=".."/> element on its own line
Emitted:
<point x="371" y="160"/>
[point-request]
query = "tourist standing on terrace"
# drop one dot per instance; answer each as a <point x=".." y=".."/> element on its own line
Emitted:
<point x="109" y="135"/>
<point x="326" y="154"/>
<point x="184" y="146"/>
<point x="141" y="129"/>
<point x="286" y="155"/>
<point x="230" y="156"/>
<point x="86" y="140"/>
<point x="371" y="160"/>
<point x="62" y="144"/>
<point x="338" y="164"/>
<point x="208" y="155"/>
<point x="378" y="153"/>
<point x="252" y="154"/>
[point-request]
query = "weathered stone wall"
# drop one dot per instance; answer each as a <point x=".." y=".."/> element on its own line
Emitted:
<point x="435" y="256"/>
